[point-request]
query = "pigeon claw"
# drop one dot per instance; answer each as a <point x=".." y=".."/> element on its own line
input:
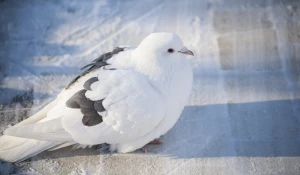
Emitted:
<point x="144" y="149"/>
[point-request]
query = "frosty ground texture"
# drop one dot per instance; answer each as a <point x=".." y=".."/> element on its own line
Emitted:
<point x="243" y="115"/>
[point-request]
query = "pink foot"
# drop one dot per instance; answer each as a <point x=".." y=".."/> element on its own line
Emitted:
<point x="153" y="142"/>
<point x="144" y="149"/>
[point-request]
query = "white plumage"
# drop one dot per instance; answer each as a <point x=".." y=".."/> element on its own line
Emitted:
<point x="137" y="96"/>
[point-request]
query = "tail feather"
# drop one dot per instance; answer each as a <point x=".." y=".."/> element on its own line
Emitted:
<point x="16" y="149"/>
<point x="61" y="146"/>
<point x="39" y="115"/>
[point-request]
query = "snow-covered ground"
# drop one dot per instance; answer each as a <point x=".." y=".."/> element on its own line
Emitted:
<point x="243" y="116"/>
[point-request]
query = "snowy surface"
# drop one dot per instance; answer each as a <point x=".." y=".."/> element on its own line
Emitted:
<point x="243" y="116"/>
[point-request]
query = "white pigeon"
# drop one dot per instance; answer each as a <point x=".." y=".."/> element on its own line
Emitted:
<point x="126" y="98"/>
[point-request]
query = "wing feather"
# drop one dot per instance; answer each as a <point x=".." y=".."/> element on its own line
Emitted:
<point x="51" y="130"/>
<point x="132" y="109"/>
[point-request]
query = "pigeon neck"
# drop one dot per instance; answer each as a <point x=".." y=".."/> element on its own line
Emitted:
<point x="163" y="75"/>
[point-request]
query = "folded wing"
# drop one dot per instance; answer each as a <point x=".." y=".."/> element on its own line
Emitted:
<point x="120" y="106"/>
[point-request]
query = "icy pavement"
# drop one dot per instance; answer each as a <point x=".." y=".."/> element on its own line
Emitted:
<point x="243" y="116"/>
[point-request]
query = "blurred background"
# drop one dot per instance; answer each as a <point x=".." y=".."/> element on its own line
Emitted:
<point x="243" y="116"/>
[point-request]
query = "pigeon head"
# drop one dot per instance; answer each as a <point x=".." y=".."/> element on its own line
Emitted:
<point x="163" y="45"/>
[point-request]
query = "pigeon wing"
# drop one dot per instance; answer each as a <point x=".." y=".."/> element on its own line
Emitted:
<point x="116" y="106"/>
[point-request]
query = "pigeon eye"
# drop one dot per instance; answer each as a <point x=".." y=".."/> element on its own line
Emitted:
<point x="170" y="50"/>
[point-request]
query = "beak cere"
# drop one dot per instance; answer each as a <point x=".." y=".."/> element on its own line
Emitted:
<point x="184" y="50"/>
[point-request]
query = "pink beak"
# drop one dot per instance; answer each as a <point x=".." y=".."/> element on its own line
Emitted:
<point x="184" y="50"/>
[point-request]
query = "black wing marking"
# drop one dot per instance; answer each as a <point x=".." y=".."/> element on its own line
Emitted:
<point x="97" y="63"/>
<point x="89" y="82"/>
<point x="99" y="106"/>
<point x="88" y="108"/>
